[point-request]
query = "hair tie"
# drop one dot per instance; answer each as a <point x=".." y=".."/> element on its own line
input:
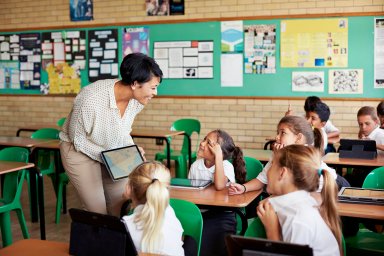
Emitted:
<point x="153" y="180"/>
<point x="320" y="171"/>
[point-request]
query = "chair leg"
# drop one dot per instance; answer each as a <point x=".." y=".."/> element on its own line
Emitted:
<point x="59" y="202"/>
<point x="23" y="224"/>
<point x="181" y="168"/>
<point x="6" y="231"/>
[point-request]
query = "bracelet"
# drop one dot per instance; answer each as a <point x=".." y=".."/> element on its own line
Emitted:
<point x="245" y="188"/>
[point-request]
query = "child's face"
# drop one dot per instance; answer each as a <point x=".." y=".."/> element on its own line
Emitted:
<point x="366" y="124"/>
<point x="314" y="119"/>
<point x="204" y="151"/>
<point x="285" y="136"/>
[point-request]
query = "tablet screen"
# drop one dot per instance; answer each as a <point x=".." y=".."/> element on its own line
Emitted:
<point x="189" y="183"/>
<point x="120" y="162"/>
<point x="360" y="192"/>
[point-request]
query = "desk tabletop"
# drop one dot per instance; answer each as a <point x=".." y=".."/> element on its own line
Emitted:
<point x="210" y="196"/>
<point x="260" y="154"/>
<point x="8" y="166"/>
<point x="155" y="133"/>
<point x="13" y="141"/>
<point x="367" y="211"/>
<point x="333" y="159"/>
<point x="51" y="144"/>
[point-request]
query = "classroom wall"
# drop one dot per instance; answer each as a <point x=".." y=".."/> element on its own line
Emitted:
<point x="248" y="120"/>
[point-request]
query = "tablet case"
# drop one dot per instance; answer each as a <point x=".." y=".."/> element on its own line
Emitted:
<point x="358" y="149"/>
<point x="360" y="198"/>
<point x="98" y="235"/>
<point x="189" y="183"/>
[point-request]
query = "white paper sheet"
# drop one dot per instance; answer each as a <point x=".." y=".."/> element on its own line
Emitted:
<point x="231" y="70"/>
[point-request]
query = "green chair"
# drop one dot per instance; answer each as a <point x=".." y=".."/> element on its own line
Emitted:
<point x="61" y="122"/>
<point x="181" y="158"/>
<point x="255" y="229"/>
<point x="253" y="167"/>
<point x="190" y="218"/>
<point x="367" y="242"/>
<point x="12" y="187"/>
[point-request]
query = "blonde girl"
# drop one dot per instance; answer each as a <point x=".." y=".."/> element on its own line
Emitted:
<point x="292" y="214"/>
<point x="153" y="225"/>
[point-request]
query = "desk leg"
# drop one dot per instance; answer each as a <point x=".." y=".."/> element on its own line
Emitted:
<point x="244" y="221"/>
<point x="41" y="205"/>
<point x="33" y="180"/>
<point x="168" y="153"/>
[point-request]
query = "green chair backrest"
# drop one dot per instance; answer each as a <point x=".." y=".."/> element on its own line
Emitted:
<point x="190" y="218"/>
<point x="189" y="126"/>
<point x="13" y="181"/>
<point x="255" y="229"/>
<point x="61" y="122"/>
<point x="46" y="133"/>
<point x="375" y="179"/>
<point x="253" y="167"/>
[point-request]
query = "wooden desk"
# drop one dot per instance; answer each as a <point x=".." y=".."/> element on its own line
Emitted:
<point x="33" y="128"/>
<point x="334" y="160"/>
<point x="211" y="198"/>
<point x="262" y="155"/>
<point x="164" y="135"/>
<point x="364" y="211"/>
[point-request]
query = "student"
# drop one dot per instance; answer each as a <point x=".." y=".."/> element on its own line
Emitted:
<point x="318" y="117"/>
<point x="380" y="113"/>
<point x="369" y="127"/>
<point x="153" y="225"/>
<point x="214" y="154"/>
<point x="290" y="130"/>
<point x="292" y="214"/>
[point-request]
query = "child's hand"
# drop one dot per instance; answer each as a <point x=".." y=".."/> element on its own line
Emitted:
<point x="289" y="111"/>
<point x="277" y="146"/>
<point x="235" y="189"/>
<point x="269" y="218"/>
<point x="215" y="149"/>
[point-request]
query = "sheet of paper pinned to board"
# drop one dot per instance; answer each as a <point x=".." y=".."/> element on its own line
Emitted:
<point x="232" y="70"/>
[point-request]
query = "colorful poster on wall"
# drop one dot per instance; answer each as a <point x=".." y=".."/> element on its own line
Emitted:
<point x="232" y="36"/>
<point x="260" y="49"/>
<point x="9" y="75"/>
<point x="314" y="43"/>
<point x="102" y="54"/>
<point x="379" y="53"/>
<point x="63" y="79"/>
<point x="176" y="7"/>
<point x="9" y="47"/>
<point x="30" y="61"/>
<point x="345" y="81"/>
<point x="80" y="10"/>
<point x="157" y="7"/>
<point x="135" y="40"/>
<point x="185" y="59"/>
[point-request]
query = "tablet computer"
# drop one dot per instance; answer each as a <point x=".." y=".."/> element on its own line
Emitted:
<point x="120" y="162"/>
<point x="361" y="195"/>
<point x="189" y="183"/>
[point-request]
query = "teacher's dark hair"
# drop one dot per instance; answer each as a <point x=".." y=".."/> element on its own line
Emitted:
<point x="139" y="67"/>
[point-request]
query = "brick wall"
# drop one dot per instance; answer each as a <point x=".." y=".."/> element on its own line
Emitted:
<point x="249" y="121"/>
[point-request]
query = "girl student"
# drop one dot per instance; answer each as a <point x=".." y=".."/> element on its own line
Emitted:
<point x="214" y="154"/>
<point x="291" y="214"/>
<point x="290" y="130"/>
<point x="153" y="225"/>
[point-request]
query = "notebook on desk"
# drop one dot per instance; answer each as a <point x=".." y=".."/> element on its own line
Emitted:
<point x="361" y="195"/>
<point x="120" y="162"/>
<point x="189" y="183"/>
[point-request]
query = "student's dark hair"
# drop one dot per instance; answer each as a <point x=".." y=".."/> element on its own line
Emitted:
<point x="310" y="102"/>
<point x="304" y="162"/>
<point x="298" y="124"/>
<point x="380" y="108"/>
<point x="231" y="151"/>
<point x="367" y="111"/>
<point x="139" y="67"/>
<point x="322" y="110"/>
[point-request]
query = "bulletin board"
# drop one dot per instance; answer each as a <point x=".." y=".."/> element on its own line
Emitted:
<point x="278" y="84"/>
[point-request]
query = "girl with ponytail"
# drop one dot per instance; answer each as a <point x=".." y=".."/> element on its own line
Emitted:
<point x="153" y="225"/>
<point x="291" y="214"/>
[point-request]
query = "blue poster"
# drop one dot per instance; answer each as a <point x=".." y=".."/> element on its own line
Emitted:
<point x="81" y="10"/>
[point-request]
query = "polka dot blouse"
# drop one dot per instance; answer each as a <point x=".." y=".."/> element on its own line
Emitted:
<point x="95" y="123"/>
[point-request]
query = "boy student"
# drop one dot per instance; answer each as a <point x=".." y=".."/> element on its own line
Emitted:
<point x="318" y="117"/>
<point x="380" y="113"/>
<point x="369" y="127"/>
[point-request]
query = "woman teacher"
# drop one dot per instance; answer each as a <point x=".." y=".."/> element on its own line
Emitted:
<point x="101" y="119"/>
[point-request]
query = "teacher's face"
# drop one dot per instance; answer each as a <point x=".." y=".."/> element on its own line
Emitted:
<point x="144" y="92"/>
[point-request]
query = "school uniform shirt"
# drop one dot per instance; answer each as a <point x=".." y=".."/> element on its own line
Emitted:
<point x="199" y="171"/>
<point x="329" y="127"/>
<point x="378" y="135"/>
<point x="301" y="223"/>
<point x="95" y="123"/>
<point x="263" y="174"/>
<point x="171" y="230"/>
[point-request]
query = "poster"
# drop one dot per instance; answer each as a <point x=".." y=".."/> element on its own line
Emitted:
<point x="307" y="81"/>
<point x="157" y="7"/>
<point x="63" y="78"/>
<point x="9" y="75"/>
<point x="232" y="36"/>
<point x="314" y="43"/>
<point x="135" y="40"/>
<point x="345" y="81"/>
<point x="231" y="70"/>
<point x="379" y="54"/>
<point x="9" y="47"/>
<point x="30" y="61"/>
<point x="80" y="10"/>
<point x="260" y="49"/>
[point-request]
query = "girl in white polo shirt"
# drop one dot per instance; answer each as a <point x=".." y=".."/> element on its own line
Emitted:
<point x="214" y="154"/>
<point x="291" y="214"/>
